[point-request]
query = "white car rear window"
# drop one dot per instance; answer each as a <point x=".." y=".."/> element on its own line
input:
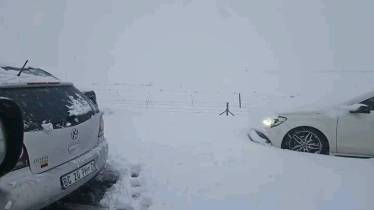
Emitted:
<point x="60" y="106"/>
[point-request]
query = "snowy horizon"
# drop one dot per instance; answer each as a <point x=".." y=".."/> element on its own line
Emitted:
<point x="163" y="70"/>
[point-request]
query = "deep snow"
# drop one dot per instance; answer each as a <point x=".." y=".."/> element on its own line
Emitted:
<point x="164" y="69"/>
<point x="188" y="157"/>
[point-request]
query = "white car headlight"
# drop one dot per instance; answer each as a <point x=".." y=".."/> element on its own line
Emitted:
<point x="274" y="121"/>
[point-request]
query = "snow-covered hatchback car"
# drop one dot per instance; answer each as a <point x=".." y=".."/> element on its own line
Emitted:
<point x="64" y="144"/>
<point x="346" y="129"/>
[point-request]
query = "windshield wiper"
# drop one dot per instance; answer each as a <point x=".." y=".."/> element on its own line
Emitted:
<point x="23" y="68"/>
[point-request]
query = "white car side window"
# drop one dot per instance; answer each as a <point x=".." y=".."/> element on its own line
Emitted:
<point x="369" y="102"/>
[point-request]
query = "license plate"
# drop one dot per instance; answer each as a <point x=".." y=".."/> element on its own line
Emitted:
<point x="76" y="175"/>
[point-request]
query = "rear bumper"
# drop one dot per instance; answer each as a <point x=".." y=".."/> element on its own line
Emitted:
<point x="22" y="189"/>
<point x="259" y="137"/>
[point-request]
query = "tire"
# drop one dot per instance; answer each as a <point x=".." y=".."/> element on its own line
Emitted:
<point x="306" y="139"/>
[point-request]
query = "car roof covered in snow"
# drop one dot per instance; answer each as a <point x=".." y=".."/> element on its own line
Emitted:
<point x="8" y="76"/>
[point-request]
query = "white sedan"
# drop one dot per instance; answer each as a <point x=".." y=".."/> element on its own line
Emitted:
<point x="344" y="130"/>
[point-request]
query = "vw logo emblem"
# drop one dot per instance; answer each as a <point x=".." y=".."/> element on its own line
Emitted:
<point x="74" y="134"/>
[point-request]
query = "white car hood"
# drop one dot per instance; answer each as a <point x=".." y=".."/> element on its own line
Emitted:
<point x="300" y="112"/>
<point x="332" y="111"/>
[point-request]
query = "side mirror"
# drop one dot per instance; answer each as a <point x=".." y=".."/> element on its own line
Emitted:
<point x="11" y="135"/>
<point x="360" y="108"/>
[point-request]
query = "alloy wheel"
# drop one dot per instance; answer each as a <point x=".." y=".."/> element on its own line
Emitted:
<point x="304" y="141"/>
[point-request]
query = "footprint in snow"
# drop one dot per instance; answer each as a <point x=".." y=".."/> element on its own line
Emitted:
<point x="137" y="190"/>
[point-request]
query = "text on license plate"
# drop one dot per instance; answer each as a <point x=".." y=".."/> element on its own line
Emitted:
<point x="74" y="176"/>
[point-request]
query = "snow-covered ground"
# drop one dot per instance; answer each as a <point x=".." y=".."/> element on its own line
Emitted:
<point x="174" y="151"/>
<point x="164" y="69"/>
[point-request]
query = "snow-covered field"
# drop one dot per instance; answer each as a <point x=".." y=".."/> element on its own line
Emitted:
<point x="174" y="152"/>
<point x="164" y="69"/>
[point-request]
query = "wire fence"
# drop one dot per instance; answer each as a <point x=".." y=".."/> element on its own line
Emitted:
<point x="178" y="99"/>
<point x="145" y="97"/>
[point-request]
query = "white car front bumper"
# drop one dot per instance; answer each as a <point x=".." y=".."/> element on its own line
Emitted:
<point x="258" y="137"/>
<point x="22" y="189"/>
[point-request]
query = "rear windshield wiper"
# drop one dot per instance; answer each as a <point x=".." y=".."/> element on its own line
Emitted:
<point x="23" y="68"/>
<point x="20" y="70"/>
<point x="30" y="70"/>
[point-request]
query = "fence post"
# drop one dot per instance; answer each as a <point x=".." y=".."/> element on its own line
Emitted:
<point x="192" y="100"/>
<point x="240" y="101"/>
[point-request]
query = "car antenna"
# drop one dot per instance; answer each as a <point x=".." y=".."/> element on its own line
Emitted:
<point x="23" y="68"/>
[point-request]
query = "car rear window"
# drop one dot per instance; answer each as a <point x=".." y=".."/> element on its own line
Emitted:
<point x="57" y="106"/>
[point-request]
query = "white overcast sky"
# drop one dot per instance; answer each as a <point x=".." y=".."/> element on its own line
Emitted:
<point x="186" y="41"/>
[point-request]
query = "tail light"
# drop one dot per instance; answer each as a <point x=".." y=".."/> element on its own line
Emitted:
<point x="101" y="127"/>
<point x="23" y="160"/>
<point x="91" y="95"/>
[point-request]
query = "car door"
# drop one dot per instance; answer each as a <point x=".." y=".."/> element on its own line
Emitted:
<point x="355" y="132"/>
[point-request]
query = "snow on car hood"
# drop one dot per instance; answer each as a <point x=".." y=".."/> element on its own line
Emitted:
<point x="332" y="111"/>
<point x="302" y="112"/>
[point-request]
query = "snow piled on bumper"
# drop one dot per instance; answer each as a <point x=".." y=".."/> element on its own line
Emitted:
<point x="254" y="136"/>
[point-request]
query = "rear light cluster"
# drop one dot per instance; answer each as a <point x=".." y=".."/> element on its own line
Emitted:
<point x="101" y="127"/>
<point x="91" y="96"/>
<point x="23" y="160"/>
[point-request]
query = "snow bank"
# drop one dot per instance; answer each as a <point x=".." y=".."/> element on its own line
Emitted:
<point x="202" y="161"/>
<point x="199" y="160"/>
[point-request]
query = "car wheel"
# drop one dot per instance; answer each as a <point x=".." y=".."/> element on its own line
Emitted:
<point x="306" y="139"/>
